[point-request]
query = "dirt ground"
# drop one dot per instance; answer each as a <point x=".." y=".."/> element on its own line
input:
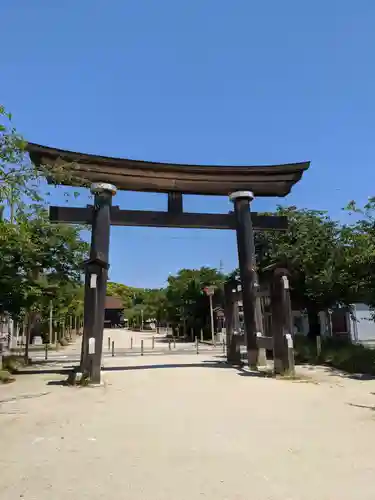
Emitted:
<point x="187" y="427"/>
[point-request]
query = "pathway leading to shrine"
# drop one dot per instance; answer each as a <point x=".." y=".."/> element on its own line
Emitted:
<point x="167" y="427"/>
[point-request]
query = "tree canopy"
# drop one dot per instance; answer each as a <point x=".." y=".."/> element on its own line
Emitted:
<point x="39" y="261"/>
<point x="330" y="263"/>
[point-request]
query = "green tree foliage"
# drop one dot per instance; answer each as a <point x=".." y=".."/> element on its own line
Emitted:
<point x="187" y="304"/>
<point x="329" y="263"/>
<point x="123" y="292"/>
<point x="311" y="250"/>
<point x="138" y="302"/>
<point x="39" y="261"/>
<point x="359" y="239"/>
<point x="18" y="176"/>
<point x="182" y="302"/>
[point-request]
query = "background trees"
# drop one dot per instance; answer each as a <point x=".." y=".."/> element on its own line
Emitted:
<point x="182" y="303"/>
<point x="187" y="304"/>
<point x="39" y="261"/>
<point x="140" y="303"/>
<point x="330" y="263"/>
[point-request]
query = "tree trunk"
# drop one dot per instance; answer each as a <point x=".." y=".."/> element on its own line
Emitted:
<point x="314" y="323"/>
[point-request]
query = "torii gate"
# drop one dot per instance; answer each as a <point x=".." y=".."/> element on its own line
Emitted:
<point x="106" y="175"/>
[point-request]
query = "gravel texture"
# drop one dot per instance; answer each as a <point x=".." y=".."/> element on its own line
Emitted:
<point x="187" y="427"/>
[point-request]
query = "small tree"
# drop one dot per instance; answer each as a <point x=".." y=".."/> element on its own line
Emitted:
<point x="187" y="303"/>
<point x="319" y="254"/>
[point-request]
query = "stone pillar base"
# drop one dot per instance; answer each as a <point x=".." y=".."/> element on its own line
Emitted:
<point x="252" y="357"/>
<point x="262" y="357"/>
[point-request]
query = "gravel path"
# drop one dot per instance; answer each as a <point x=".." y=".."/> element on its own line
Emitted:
<point x="183" y="428"/>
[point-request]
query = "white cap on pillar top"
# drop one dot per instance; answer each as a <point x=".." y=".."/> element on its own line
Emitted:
<point x="241" y="194"/>
<point x="101" y="187"/>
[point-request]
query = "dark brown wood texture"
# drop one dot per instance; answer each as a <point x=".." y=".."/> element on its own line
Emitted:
<point x="135" y="175"/>
<point x="166" y="219"/>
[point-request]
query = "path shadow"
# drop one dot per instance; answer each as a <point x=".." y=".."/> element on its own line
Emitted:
<point x="334" y="372"/>
<point x="177" y="340"/>
<point x="63" y="361"/>
<point x="204" y="364"/>
<point x="359" y="376"/>
<point x="367" y="407"/>
<point x="45" y="371"/>
<point x="262" y="374"/>
<point x="220" y="363"/>
<point x="58" y="382"/>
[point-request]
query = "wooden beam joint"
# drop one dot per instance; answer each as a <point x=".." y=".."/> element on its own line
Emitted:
<point x="175" y="203"/>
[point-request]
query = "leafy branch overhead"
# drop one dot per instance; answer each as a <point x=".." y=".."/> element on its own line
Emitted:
<point x="330" y="263"/>
<point x="39" y="261"/>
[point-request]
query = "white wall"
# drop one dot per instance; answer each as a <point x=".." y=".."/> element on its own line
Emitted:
<point x="362" y="326"/>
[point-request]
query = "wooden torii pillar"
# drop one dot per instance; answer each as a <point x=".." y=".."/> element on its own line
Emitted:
<point x="96" y="274"/>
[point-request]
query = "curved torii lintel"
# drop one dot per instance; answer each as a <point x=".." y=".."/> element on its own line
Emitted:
<point x="136" y="175"/>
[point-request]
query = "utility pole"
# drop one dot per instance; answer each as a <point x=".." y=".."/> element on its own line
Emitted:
<point x="210" y="290"/>
<point x="221" y="266"/>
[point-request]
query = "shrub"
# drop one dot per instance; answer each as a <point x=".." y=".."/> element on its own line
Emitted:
<point x="5" y="377"/>
<point x="13" y="363"/>
<point x="352" y="358"/>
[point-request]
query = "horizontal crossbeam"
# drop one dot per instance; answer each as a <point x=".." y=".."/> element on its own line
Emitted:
<point x="142" y="218"/>
<point x="265" y="343"/>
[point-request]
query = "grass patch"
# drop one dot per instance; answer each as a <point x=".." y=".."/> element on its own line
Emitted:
<point x="13" y="363"/>
<point x="336" y="353"/>
<point x="6" y="377"/>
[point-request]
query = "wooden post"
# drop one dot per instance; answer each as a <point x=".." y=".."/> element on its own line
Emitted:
<point x="262" y="356"/>
<point x="96" y="281"/>
<point x="46" y="351"/>
<point x="28" y="335"/>
<point x="17" y="333"/>
<point x="232" y="340"/>
<point x="50" y="326"/>
<point x="113" y="348"/>
<point x="290" y="353"/>
<point x="245" y="247"/>
<point x="142" y="347"/>
<point x="109" y="343"/>
<point x="281" y="323"/>
<point x="318" y="345"/>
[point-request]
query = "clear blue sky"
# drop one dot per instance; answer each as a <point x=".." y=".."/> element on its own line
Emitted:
<point x="197" y="81"/>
